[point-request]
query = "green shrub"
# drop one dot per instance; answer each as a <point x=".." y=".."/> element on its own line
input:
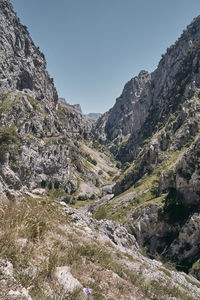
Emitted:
<point x="110" y="173"/>
<point x="27" y="51"/>
<point x="195" y="271"/>
<point x="173" y="207"/>
<point x="91" y="160"/>
<point x="37" y="63"/>
<point x="57" y="193"/>
<point x="82" y="198"/>
<point x="126" y="166"/>
<point x="100" y="213"/>
<point x="97" y="183"/>
<point x="119" y="165"/>
<point x="155" y="188"/>
<point x="8" y="136"/>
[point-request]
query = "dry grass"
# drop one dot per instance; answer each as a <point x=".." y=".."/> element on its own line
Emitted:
<point x="51" y="241"/>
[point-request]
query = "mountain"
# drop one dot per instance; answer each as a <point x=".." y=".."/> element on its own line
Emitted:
<point x="157" y="195"/>
<point x="94" y="116"/>
<point x="148" y="99"/>
<point x="42" y="138"/>
<point x="73" y="223"/>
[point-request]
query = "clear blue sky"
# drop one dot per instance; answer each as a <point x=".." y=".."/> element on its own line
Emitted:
<point x="93" y="47"/>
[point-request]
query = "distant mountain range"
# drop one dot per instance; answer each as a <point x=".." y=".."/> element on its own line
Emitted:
<point x="94" y="116"/>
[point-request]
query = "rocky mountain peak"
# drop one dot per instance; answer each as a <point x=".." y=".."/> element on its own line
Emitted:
<point x="133" y="89"/>
<point x="78" y="108"/>
<point x="123" y="118"/>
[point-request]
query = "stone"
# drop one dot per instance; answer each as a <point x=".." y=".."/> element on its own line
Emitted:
<point x="65" y="278"/>
<point x="6" y="268"/>
<point x="23" y="294"/>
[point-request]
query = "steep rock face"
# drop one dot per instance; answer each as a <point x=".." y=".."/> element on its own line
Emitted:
<point x="188" y="175"/>
<point x="175" y="241"/>
<point x="176" y="135"/>
<point x="22" y="65"/>
<point x="41" y="149"/>
<point x="128" y="113"/>
<point x="154" y="99"/>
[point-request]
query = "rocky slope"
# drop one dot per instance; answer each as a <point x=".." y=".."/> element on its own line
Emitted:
<point x="57" y="251"/>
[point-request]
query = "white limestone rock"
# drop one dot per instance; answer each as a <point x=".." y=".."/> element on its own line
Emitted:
<point x="66" y="280"/>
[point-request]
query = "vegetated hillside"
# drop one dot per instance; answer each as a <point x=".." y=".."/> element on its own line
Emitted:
<point x="158" y="195"/>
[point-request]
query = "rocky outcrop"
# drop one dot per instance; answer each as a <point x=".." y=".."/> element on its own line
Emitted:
<point x="39" y="146"/>
<point x="66" y="280"/>
<point x="187" y="176"/>
<point x="175" y="241"/>
<point x="117" y="237"/>
<point x="73" y="113"/>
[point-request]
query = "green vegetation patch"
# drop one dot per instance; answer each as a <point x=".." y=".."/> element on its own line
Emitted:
<point x="166" y="272"/>
<point x="192" y="282"/>
<point x="33" y="102"/>
<point x="8" y="136"/>
<point x="195" y="270"/>
<point x="100" y="213"/>
<point x="6" y="103"/>
<point x="173" y="208"/>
